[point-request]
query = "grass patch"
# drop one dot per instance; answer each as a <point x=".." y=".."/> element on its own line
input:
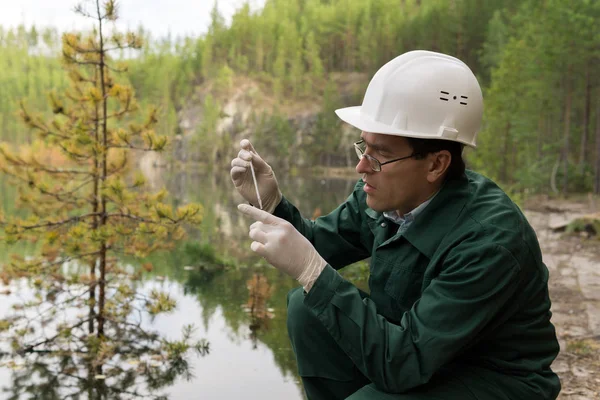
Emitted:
<point x="580" y="347"/>
<point x="205" y="254"/>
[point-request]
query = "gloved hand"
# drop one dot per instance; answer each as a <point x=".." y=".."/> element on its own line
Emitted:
<point x="241" y="175"/>
<point x="284" y="247"/>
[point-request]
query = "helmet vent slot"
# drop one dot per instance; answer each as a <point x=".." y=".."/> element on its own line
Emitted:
<point x="464" y="103"/>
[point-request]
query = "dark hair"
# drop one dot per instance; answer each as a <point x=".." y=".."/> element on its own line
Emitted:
<point x="423" y="147"/>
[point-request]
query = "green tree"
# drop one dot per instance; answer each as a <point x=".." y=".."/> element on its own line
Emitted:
<point x="538" y="104"/>
<point x="207" y="137"/>
<point x="326" y="136"/>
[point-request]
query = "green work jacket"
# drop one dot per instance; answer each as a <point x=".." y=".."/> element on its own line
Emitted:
<point x="463" y="289"/>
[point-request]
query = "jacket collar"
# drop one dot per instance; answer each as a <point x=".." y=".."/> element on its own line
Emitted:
<point x="372" y="213"/>
<point x="434" y="223"/>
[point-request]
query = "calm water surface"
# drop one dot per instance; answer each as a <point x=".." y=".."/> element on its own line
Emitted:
<point x="249" y="352"/>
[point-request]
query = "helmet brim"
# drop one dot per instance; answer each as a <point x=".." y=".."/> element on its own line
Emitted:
<point x="359" y="120"/>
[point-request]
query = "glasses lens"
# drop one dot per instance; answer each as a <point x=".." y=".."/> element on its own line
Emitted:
<point x="359" y="150"/>
<point x="375" y="166"/>
<point x="360" y="153"/>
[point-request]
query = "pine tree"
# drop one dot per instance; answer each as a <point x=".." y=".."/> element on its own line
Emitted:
<point x="87" y="210"/>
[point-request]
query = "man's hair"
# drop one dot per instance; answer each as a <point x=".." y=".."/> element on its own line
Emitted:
<point x="423" y="147"/>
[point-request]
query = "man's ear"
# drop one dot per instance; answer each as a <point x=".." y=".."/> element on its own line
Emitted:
<point x="439" y="162"/>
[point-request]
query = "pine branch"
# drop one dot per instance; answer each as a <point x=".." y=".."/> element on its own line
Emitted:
<point x="80" y="10"/>
<point x="40" y="315"/>
<point x="69" y="193"/>
<point x="72" y="298"/>
<point x="116" y="70"/>
<point x="132" y="147"/>
<point x="31" y="348"/>
<point x="115" y="171"/>
<point x="106" y="50"/>
<point x="64" y="260"/>
<point x="34" y="123"/>
<point x="137" y="326"/>
<point x="39" y="125"/>
<point x="141" y="219"/>
<point x="72" y="200"/>
<point x="74" y="60"/>
<point x="75" y="219"/>
<point x="80" y="157"/>
<point x="62" y="171"/>
<point x="74" y="204"/>
<point x="113" y="389"/>
<point x="118" y="114"/>
<point x="133" y="217"/>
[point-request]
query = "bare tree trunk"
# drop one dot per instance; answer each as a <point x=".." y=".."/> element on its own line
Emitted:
<point x="454" y="9"/>
<point x="540" y="137"/>
<point x="567" y="132"/>
<point x="597" y="169"/>
<point x="102" y="281"/>
<point x="553" y="176"/>
<point x="93" y="283"/>
<point x="586" y="119"/>
<point x="514" y="153"/>
<point x="504" y="170"/>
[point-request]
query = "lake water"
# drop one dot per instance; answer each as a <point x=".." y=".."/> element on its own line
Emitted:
<point x="249" y="353"/>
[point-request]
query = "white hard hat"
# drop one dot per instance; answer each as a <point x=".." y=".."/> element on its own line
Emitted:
<point x="421" y="94"/>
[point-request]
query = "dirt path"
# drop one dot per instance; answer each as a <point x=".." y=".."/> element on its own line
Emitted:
<point x="574" y="264"/>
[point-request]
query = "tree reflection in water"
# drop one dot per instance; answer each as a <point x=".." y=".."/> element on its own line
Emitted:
<point x="259" y="291"/>
<point x="129" y="363"/>
<point x="133" y="372"/>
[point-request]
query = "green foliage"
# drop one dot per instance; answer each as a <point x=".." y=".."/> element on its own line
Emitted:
<point x="538" y="103"/>
<point x="581" y="347"/>
<point x="26" y="71"/>
<point x="203" y="253"/>
<point x="5" y="325"/>
<point x="159" y="302"/>
<point x="207" y="139"/>
<point x="224" y="79"/>
<point x="589" y="225"/>
<point x="275" y="126"/>
<point x="535" y="60"/>
<point x="325" y="142"/>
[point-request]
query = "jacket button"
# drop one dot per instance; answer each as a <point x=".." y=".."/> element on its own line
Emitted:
<point x="383" y="224"/>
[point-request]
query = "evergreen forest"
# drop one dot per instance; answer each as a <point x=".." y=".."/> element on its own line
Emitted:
<point x="536" y="60"/>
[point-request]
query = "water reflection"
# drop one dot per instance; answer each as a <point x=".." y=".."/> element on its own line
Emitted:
<point x="240" y="307"/>
<point x="251" y="302"/>
<point x="259" y="292"/>
<point x="133" y="362"/>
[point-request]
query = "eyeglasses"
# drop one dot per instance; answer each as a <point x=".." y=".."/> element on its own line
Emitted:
<point x="374" y="163"/>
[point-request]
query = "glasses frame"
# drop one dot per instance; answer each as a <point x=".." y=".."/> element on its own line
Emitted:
<point x="374" y="163"/>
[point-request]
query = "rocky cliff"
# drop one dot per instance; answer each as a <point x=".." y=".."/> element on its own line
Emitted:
<point x="245" y="106"/>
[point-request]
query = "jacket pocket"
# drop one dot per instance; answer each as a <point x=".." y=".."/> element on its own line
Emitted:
<point x="405" y="279"/>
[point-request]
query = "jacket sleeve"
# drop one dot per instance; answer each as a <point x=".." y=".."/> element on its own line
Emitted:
<point x="468" y="298"/>
<point x="336" y="236"/>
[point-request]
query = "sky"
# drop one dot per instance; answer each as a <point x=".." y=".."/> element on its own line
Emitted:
<point x="179" y="17"/>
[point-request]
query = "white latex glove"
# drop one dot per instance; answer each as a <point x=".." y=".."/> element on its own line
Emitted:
<point x="241" y="175"/>
<point x="284" y="247"/>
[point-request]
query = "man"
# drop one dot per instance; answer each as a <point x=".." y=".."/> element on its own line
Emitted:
<point x="458" y="305"/>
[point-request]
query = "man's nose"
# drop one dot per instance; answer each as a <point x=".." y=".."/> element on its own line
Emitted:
<point x="363" y="166"/>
